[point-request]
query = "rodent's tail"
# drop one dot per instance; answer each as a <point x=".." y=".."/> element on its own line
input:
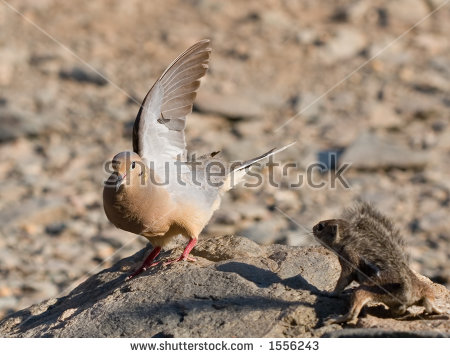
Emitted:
<point x="365" y="210"/>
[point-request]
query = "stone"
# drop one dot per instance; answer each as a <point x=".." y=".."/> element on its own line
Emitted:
<point x="435" y="221"/>
<point x="11" y="193"/>
<point x="236" y="288"/>
<point x="214" y="229"/>
<point x="56" y="228"/>
<point x="7" y="303"/>
<point x="263" y="232"/>
<point x="383" y="116"/>
<point x="441" y="64"/>
<point x="47" y="62"/>
<point x="346" y="43"/>
<point x="383" y="333"/>
<point x="299" y="238"/>
<point x="7" y="67"/>
<point x="34" y="212"/>
<point x="16" y="123"/>
<point x="433" y="44"/>
<point x="370" y="152"/>
<point x="40" y="289"/>
<point x="309" y="106"/>
<point x="58" y="156"/>
<point x="306" y="36"/>
<point x="408" y="11"/>
<point x="226" y="248"/>
<point x="8" y="259"/>
<point x="83" y="74"/>
<point x="287" y="200"/>
<point x="232" y="106"/>
<point x="430" y="82"/>
<point x="352" y="12"/>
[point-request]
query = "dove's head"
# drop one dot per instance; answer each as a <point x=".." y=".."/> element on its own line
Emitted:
<point x="129" y="170"/>
<point x="330" y="232"/>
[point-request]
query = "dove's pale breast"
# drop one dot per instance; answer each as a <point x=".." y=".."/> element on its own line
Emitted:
<point x="151" y="211"/>
<point x="143" y="210"/>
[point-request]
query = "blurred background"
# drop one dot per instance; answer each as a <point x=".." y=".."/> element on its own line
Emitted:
<point x="379" y="100"/>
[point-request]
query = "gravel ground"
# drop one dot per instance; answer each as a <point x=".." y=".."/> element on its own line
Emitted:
<point x="353" y="77"/>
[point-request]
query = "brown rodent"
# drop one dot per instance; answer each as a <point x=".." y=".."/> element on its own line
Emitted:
<point x="371" y="251"/>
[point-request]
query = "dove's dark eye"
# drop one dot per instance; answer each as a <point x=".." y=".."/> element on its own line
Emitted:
<point x="133" y="165"/>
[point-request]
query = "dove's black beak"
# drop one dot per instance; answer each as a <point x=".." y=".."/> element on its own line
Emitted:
<point x="119" y="181"/>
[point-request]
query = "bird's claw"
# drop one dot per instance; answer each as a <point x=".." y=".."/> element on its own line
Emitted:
<point x="181" y="258"/>
<point x="141" y="270"/>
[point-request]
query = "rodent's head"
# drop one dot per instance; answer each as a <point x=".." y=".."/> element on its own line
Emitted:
<point x="329" y="232"/>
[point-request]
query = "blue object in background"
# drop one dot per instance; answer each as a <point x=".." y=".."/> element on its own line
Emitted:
<point x="329" y="158"/>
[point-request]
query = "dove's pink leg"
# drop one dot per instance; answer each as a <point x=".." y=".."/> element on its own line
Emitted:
<point x="185" y="255"/>
<point x="148" y="262"/>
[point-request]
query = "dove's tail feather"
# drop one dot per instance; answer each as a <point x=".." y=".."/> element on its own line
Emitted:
<point x="238" y="173"/>
<point x="250" y="162"/>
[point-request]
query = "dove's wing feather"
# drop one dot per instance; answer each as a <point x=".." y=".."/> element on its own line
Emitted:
<point x="158" y="132"/>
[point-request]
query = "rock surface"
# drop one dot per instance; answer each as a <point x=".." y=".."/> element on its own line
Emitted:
<point x="235" y="289"/>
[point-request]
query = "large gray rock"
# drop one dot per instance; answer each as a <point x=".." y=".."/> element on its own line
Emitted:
<point x="370" y="152"/>
<point x="235" y="289"/>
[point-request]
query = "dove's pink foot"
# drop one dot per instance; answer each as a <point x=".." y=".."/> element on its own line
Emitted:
<point x="185" y="255"/>
<point x="147" y="263"/>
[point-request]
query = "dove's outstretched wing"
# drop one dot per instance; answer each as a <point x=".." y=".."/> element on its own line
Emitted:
<point x="158" y="132"/>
